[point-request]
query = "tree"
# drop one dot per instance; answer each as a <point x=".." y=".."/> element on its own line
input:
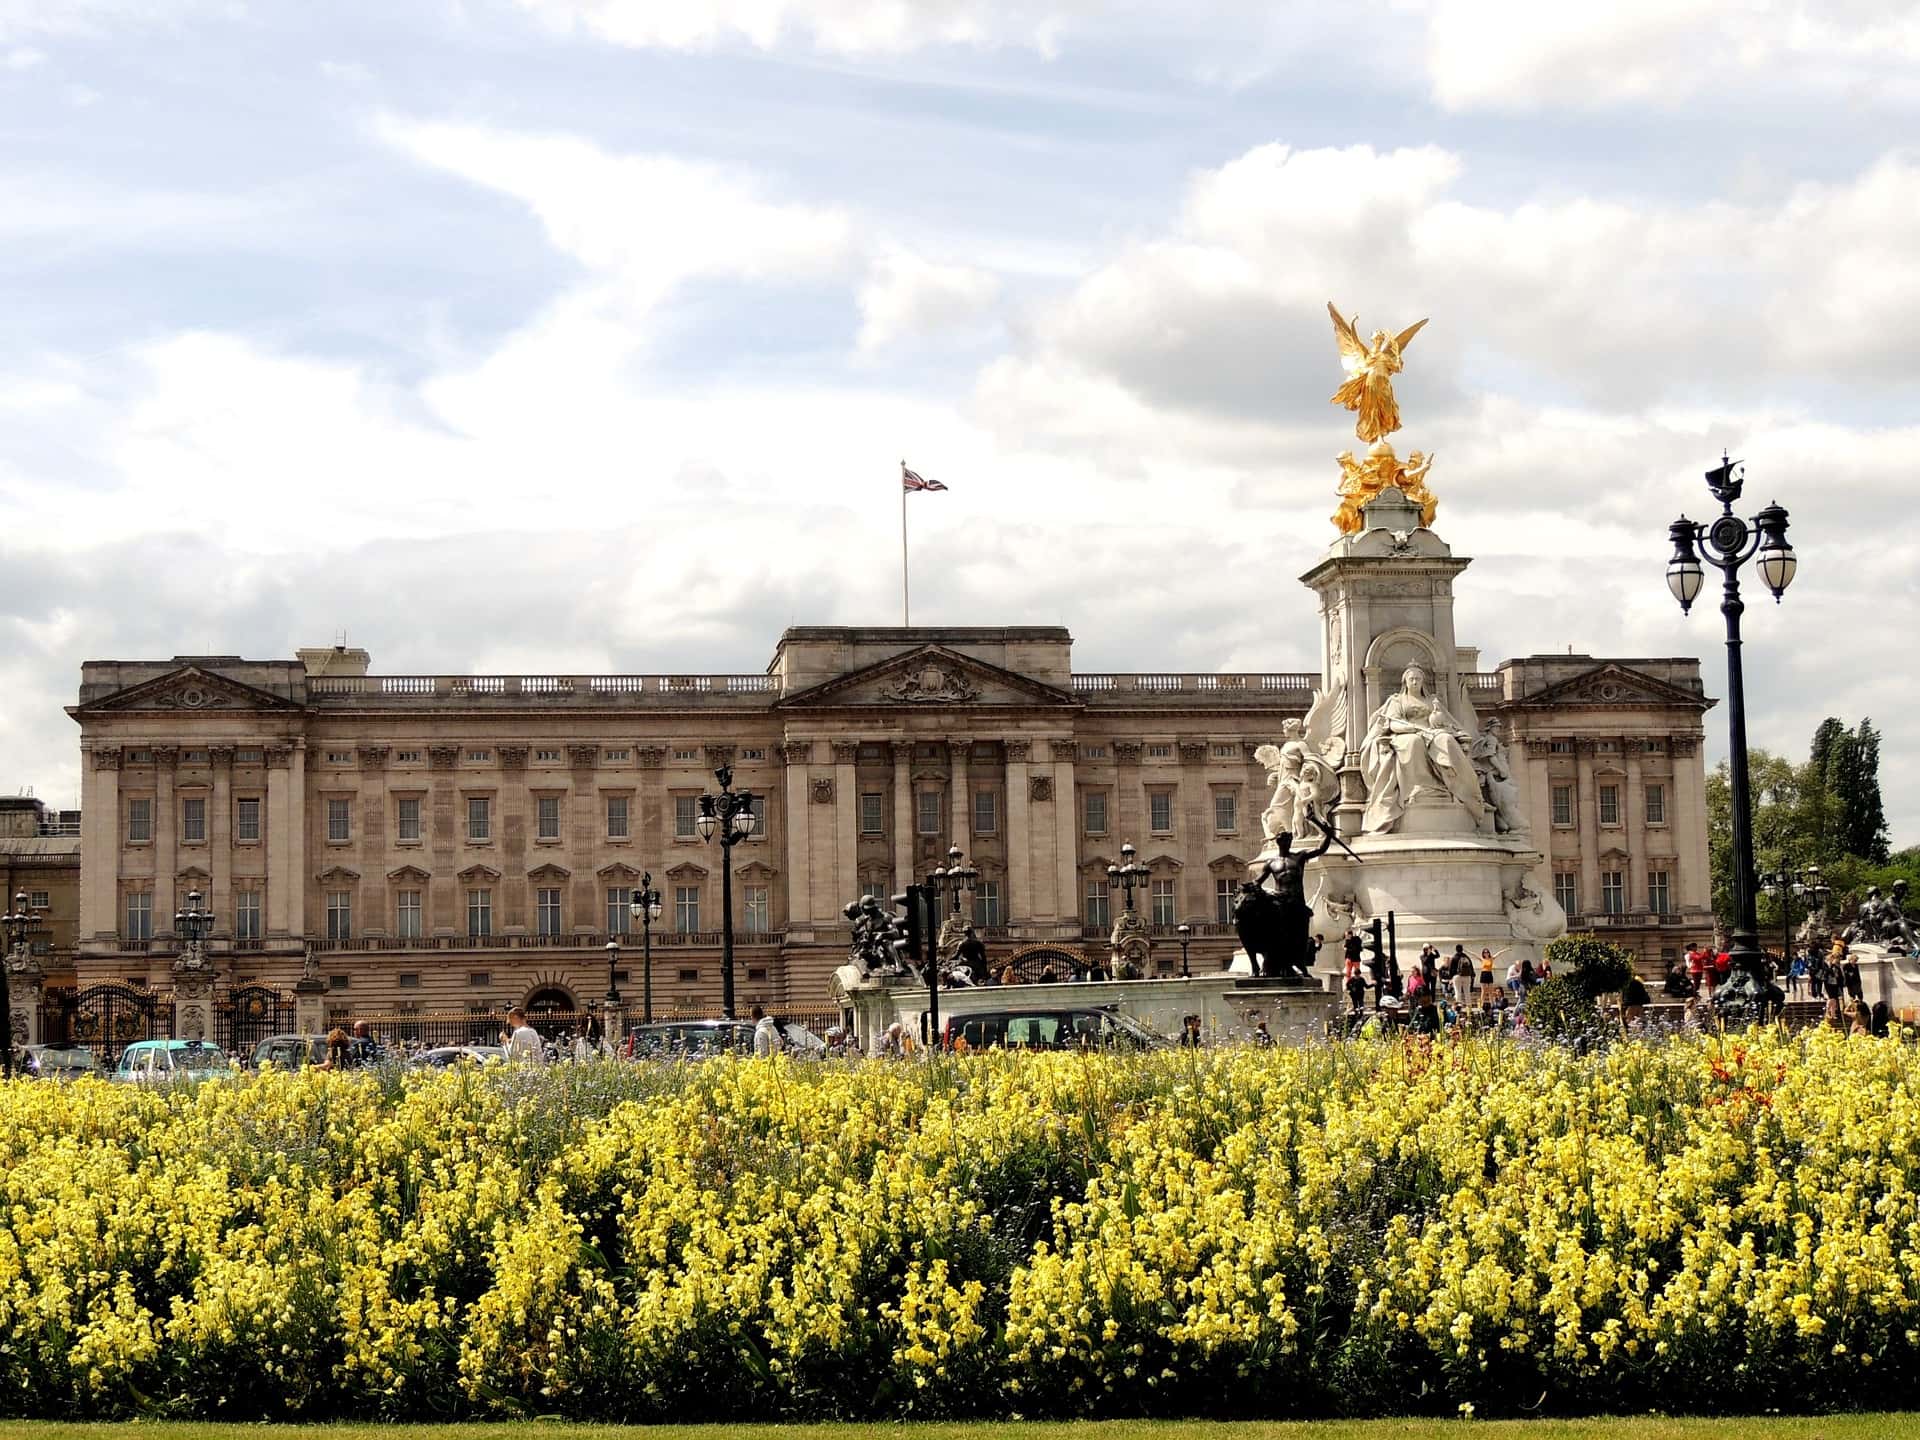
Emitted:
<point x="1862" y="817"/>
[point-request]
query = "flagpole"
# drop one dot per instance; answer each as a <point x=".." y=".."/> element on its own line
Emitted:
<point x="906" y="594"/>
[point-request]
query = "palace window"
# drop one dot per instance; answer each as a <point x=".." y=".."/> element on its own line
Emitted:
<point x="246" y="914"/>
<point x="1093" y="752"/>
<point x="339" y="821"/>
<point x="616" y="817"/>
<point x="986" y="903"/>
<point x="1160" y="812"/>
<point x="1613" y="892"/>
<point x="479" y="819"/>
<point x="757" y="805"/>
<point x="38" y="900"/>
<point x="1159" y="752"/>
<point x="619" y="899"/>
<point x="546" y="817"/>
<point x="687" y="977"/>
<point x="246" y="819"/>
<point x="1656" y="804"/>
<point x="685" y="755"/>
<point x="986" y="812"/>
<point x="140" y="915"/>
<point x="547" y="911"/>
<point x="686" y="811"/>
<point x="339" y="982"/>
<point x="246" y="756"/>
<point x="1226" y="811"/>
<point x="1226" y="752"/>
<point x="1609" y="804"/>
<point x="754" y="753"/>
<point x="339" y="915"/>
<point x="1099" y="902"/>
<point x="1607" y="747"/>
<point x="686" y="908"/>
<point x="406" y="915"/>
<point x="1560" y="747"/>
<point x="1566" y="891"/>
<point x="1225" y="892"/>
<point x="479" y="757"/>
<point x="546" y="757"/>
<point x="872" y="814"/>
<point x="1658" y="900"/>
<point x="479" y="980"/>
<point x="479" y="913"/>
<point x="408" y="979"/>
<point x="193" y="820"/>
<point x="613" y="756"/>
<point x="1654" y="747"/>
<point x="929" y="812"/>
<point x="407" y="757"/>
<point x="1095" y="802"/>
<point x="339" y="757"/>
<point x="140" y="821"/>
<point x="756" y="914"/>
<point x="1163" y="902"/>
<point x="407" y="813"/>
<point x="1562" y="800"/>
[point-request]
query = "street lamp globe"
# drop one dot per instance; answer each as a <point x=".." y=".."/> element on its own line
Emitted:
<point x="708" y="821"/>
<point x="1775" y="558"/>
<point x="1684" y="575"/>
<point x="743" y="822"/>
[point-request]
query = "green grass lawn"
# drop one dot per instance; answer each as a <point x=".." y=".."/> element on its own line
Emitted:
<point x="1904" y="1426"/>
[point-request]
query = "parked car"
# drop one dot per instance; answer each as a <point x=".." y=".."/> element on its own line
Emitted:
<point x="692" y="1039"/>
<point x="61" y="1062"/>
<point x="290" y="1052"/>
<point x="1049" y="1027"/>
<point x="160" y="1062"/>
<point x="444" y="1056"/>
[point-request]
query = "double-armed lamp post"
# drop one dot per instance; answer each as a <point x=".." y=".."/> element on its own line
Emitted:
<point x="1129" y="874"/>
<point x="1787" y="885"/>
<point x="726" y="815"/>
<point x="950" y="879"/>
<point x="1727" y="542"/>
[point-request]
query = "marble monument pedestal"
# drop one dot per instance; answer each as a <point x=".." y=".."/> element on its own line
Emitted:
<point x="1445" y="888"/>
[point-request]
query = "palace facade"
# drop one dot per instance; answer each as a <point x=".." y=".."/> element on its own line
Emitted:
<point x="458" y="843"/>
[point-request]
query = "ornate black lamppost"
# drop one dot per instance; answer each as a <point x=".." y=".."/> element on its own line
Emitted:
<point x="1787" y="885"/>
<point x="18" y="923"/>
<point x="1185" y="932"/>
<point x="1727" y="543"/>
<point x="954" y="878"/>
<point x="645" y="907"/>
<point x="1128" y="874"/>
<point x="729" y="815"/>
<point x="191" y="926"/>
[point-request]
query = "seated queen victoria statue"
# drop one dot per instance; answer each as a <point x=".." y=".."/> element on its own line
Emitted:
<point x="1415" y="754"/>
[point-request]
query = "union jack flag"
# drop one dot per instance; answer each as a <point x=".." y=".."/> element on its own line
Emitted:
<point x="914" y="480"/>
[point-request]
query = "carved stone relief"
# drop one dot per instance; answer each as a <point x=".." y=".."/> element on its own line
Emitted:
<point x="1040" y="788"/>
<point x="934" y="683"/>
<point x="823" y="791"/>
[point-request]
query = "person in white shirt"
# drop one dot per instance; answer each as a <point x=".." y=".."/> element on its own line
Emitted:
<point x="766" y="1034"/>
<point x="523" y="1041"/>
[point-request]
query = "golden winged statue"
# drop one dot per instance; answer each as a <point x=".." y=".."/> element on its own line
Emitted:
<point x="1370" y="366"/>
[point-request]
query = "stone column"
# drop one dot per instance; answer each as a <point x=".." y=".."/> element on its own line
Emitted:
<point x="310" y="1005"/>
<point x="902" y="815"/>
<point x="1633" y="816"/>
<point x="1588" y="814"/>
<point x="1020" y="906"/>
<point x="100" y="844"/>
<point x="297" y="880"/>
<point x="1129" y="820"/>
<point x="1066" y="836"/>
<point x="1189" y="886"/>
<point x="373" y="908"/>
<point x="797" y="754"/>
<point x="959" y="797"/>
<point x="1687" y="819"/>
<point x="581" y="827"/>
<point x="220" y="837"/>
<point x="283" y="882"/>
<point x="166" y="834"/>
<point x="846" y="825"/>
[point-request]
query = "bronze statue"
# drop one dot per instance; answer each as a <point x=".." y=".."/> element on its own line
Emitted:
<point x="1274" y="925"/>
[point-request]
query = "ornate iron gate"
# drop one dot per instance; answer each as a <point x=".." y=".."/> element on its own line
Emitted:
<point x="248" y="1014"/>
<point x="108" y="1017"/>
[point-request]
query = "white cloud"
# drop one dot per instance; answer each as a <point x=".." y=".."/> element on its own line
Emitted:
<point x="1494" y="54"/>
<point x="908" y="297"/>
<point x="648" y="222"/>
<point x="23" y="57"/>
<point x="95" y="19"/>
<point x="850" y="27"/>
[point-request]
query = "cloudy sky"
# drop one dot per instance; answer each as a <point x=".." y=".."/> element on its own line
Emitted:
<point x="588" y="334"/>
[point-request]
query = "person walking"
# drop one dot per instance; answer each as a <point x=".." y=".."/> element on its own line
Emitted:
<point x="766" y="1034"/>
<point x="522" y="1041"/>
<point x="1460" y="971"/>
<point x="1356" y="982"/>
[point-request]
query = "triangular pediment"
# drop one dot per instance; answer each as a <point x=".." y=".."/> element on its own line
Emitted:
<point x="930" y="677"/>
<point x="1615" y="685"/>
<point x="409" y="873"/>
<point x="188" y="688"/>
<point x="549" y="872"/>
<point x="616" y="870"/>
<point x="338" y="875"/>
<point x="475" y="873"/>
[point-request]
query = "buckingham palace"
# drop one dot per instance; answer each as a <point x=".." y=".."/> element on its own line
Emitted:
<point x="458" y="843"/>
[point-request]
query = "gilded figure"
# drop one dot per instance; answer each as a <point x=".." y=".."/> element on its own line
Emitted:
<point x="1371" y="366"/>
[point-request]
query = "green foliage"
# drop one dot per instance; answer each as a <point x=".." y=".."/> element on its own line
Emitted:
<point x="1561" y="1009"/>
<point x="1827" y="811"/>
<point x="1596" y="967"/>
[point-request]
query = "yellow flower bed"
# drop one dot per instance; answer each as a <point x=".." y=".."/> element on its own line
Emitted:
<point x="1371" y="1227"/>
